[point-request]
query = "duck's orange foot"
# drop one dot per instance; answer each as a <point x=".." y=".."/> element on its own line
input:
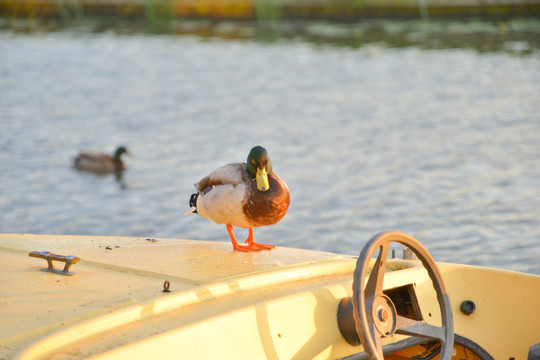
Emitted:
<point x="251" y="245"/>
<point x="246" y="248"/>
<point x="260" y="246"/>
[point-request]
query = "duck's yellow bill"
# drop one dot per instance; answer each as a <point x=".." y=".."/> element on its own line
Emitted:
<point x="262" y="179"/>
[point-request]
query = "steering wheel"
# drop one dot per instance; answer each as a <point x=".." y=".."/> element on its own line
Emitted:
<point x="374" y="313"/>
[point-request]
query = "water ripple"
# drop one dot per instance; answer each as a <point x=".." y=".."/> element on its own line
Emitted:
<point x="442" y="144"/>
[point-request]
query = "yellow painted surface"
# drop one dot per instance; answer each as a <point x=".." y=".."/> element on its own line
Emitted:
<point x="507" y="316"/>
<point x="120" y="280"/>
<point x="224" y="304"/>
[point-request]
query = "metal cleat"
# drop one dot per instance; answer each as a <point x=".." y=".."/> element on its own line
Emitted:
<point x="50" y="257"/>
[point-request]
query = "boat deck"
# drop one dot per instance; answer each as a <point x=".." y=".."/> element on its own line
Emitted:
<point x="116" y="273"/>
<point x="227" y="304"/>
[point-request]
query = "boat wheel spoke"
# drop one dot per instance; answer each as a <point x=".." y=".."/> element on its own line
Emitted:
<point x="374" y="285"/>
<point x="410" y="327"/>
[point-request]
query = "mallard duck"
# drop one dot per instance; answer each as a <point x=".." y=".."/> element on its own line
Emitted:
<point x="101" y="163"/>
<point x="246" y="195"/>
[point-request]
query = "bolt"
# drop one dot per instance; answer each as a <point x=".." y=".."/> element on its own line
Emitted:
<point x="383" y="315"/>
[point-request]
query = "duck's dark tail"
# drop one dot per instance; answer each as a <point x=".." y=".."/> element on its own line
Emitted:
<point x="192" y="204"/>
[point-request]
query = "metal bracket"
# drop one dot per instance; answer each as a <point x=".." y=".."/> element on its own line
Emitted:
<point x="49" y="256"/>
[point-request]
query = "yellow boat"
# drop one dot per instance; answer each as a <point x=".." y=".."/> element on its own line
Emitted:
<point x="87" y="297"/>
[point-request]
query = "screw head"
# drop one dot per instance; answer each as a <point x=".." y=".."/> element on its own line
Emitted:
<point x="383" y="315"/>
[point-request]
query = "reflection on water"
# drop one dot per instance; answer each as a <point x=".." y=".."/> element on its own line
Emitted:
<point x="431" y="129"/>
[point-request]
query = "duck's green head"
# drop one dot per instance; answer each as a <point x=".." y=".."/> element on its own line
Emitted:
<point x="121" y="150"/>
<point x="259" y="166"/>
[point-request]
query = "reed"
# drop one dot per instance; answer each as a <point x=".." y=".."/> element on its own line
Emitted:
<point x="158" y="14"/>
<point x="268" y="10"/>
<point x="70" y="9"/>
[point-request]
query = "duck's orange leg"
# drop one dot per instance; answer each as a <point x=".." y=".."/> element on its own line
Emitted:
<point x="251" y="245"/>
<point x="236" y="246"/>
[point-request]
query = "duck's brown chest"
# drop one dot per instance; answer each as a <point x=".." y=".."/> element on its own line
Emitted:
<point x="268" y="207"/>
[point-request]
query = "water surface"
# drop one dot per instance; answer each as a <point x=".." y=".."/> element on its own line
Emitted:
<point x="428" y="129"/>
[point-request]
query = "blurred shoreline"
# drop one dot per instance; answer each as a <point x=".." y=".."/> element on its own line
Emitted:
<point x="341" y="10"/>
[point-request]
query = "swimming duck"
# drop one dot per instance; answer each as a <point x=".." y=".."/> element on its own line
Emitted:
<point x="101" y="163"/>
<point x="246" y="195"/>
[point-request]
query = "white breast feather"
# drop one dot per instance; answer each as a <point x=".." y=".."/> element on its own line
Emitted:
<point x="223" y="205"/>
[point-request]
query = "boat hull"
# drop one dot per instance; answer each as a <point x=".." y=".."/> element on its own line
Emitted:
<point x="226" y="304"/>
